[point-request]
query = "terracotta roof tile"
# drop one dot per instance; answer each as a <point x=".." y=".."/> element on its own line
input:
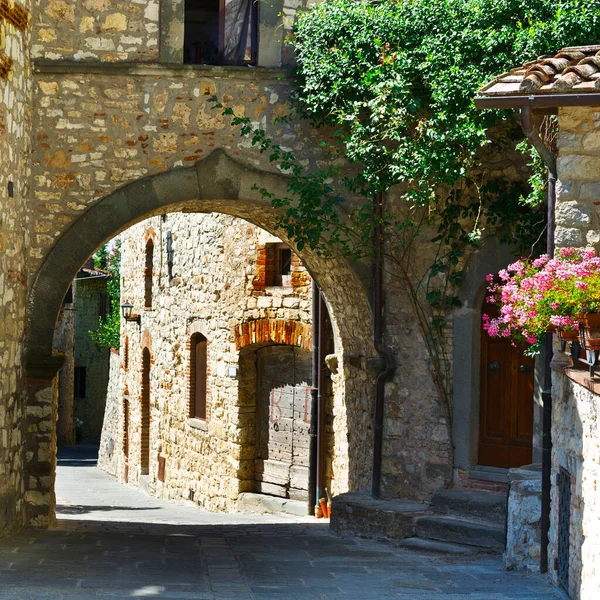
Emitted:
<point x="572" y="70"/>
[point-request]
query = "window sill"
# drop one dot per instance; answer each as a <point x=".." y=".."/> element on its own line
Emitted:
<point x="154" y="69"/>
<point x="200" y="424"/>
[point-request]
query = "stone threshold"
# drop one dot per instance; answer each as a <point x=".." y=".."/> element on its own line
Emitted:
<point x="148" y="69"/>
<point x="249" y="502"/>
<point x="578" y="376"/>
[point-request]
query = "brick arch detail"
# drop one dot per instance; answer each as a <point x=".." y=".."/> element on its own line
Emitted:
<point x="274" y="331"/>
<point x="146" y="341"/>
<point x="150" y="234"/>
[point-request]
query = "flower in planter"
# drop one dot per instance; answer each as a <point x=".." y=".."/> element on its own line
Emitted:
<point x="533" y="296"/>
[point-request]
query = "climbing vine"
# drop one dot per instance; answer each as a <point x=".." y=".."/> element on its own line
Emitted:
<point x="392" y="85"/>
<point x="108" y="333"/>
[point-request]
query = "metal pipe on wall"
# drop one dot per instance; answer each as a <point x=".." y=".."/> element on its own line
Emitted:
<point x="312" y="456"/>
<point x="388" y="366"/>
<point x="531" y="132"/>
<point x="320" y="402"/>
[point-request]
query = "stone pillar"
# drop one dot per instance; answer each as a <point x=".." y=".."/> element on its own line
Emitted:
<point x="465" y="378"/>
<point x="40" y="440"/>
<point x="524" y="528"/>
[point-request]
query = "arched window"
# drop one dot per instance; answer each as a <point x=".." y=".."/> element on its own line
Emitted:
<point x="198" y="376"/>
<point x="148" y="274"/>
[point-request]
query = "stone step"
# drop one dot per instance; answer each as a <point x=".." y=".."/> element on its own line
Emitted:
<point x="460" y="531"/>
<point x="494" y="474"/>
<point x="248" y="502"/>
<point x="483" y="506"/>
<point x="423" y="545"/>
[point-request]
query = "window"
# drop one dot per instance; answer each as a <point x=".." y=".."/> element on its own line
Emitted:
<point x="198" y="375"/>
<point x="282" y="266"/>
<point x="220" y="32"/>
<point x="103" y="305"/>
<point x="148" y="274"/>
<point x="79" y="386"/>
<point x="126" y="353"/>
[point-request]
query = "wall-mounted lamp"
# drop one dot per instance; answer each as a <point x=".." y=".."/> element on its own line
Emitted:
<point x="126" y="309"/>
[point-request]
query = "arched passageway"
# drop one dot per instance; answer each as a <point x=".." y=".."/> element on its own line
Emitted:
<point x="216" y="184"/>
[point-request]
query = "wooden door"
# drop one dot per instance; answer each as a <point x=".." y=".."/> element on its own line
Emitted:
<point x="506" y="403"/>
<point x="283" y="421"/>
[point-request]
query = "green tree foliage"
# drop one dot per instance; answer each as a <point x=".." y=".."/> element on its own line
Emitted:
<point x="108" y="334"/>
<point x="393" y="83"/>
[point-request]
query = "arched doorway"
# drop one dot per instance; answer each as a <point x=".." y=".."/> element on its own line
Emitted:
<point x="145" y="414"/>
<point x="216" y="184"/>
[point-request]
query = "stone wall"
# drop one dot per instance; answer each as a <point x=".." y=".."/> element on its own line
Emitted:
<point x="111" y="455"/>
<point x="89" y="410"/>
<point x="575" y="410"/>
<point x="138" y="122"/>
<point x="209" y="289"/>
<point x="96" y="30"/>
<point x="15" y="173"/>
<point x="576" y="448"/>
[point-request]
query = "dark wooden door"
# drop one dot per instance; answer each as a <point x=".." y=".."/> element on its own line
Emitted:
<point x="283" y="421"/>
<point x="145" y="414"/>
<point x="506" y="403"/>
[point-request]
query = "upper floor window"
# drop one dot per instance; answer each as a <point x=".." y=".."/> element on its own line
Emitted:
<point x="282" y="265"/>
<point x="198" y="376"/>
<point x="223" y="32"/>
<point x="148" y="274"/>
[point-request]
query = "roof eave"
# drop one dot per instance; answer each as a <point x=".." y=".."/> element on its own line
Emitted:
<point x="539" y="101"/>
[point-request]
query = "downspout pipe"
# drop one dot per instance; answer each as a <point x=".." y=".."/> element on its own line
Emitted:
<point x="312" y="453"/>
<point x="321" y="402"/>
<point x="532" y="134"/>
<point x="386" y="357"/>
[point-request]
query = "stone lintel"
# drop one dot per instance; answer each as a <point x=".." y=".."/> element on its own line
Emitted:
<point x="168" y="70"/>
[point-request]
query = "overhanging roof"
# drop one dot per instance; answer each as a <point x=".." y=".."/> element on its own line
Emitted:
<point x="570" y="77"/>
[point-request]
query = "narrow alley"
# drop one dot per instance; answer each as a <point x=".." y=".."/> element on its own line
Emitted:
<point x="113" y="541"/>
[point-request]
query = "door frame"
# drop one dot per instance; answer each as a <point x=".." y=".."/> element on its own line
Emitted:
<point x="466" y="357"/>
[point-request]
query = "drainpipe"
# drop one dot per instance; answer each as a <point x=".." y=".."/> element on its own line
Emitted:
<point x="320" y="403"/>
<point x="312" y="456"/>
<point x="386" y="359"/>
<point x="548" y="157"/>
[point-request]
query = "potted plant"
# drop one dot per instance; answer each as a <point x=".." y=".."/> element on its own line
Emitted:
<point x="534" y="296"/>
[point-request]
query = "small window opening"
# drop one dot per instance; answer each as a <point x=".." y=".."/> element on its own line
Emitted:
<point x="79" y="384"/>
<point x="103" y="305"/>
<point x="282" y="266"/>
<point x="220" y="32"/>
<point x="148" y="274"/>
<point x="198" y="376"/>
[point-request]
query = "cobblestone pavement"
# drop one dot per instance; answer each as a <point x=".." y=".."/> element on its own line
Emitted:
<point x="153" y="549"/>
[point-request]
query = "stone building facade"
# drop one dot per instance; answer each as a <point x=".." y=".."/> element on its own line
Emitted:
<point x="124" y="131"/>
<point x="213" y="284"/>
<point x="15" y="219"/>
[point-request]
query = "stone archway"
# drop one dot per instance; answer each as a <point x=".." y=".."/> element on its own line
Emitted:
<point x="215" y="184"/>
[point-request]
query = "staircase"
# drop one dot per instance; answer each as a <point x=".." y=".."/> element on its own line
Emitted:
<point x="461" y="521"/>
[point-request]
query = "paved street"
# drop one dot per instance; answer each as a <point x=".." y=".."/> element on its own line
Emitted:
<point x="115" y="542"/>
